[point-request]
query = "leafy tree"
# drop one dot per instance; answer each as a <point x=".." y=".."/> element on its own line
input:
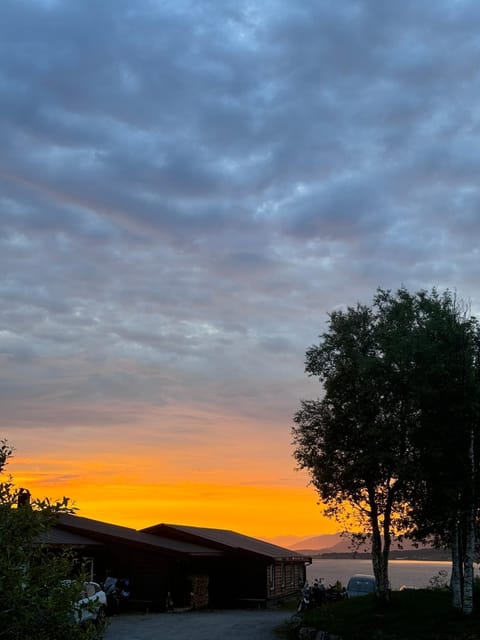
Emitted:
<point x="354" y="441"/>
<point x="375" y="442"/>
<point x="444" y="497"/>
<point x="36" y="603"/>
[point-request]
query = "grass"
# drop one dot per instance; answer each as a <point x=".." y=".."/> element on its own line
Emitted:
<point x="411" y="615"/>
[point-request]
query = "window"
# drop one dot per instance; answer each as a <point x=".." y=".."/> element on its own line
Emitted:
<point x="289" y="579"/>
<point x="271" y="577"/>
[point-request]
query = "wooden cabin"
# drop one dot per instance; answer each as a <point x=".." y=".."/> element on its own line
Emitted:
<point x="249" y="572"/>
<point x="196" y="566"/>
<point x="155" y="566"/>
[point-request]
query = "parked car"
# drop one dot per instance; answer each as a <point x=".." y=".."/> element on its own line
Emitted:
<point x="360" y="585"/>
<point x="92" y="606"/>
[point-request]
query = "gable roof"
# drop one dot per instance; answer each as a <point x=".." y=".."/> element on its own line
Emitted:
<point x="103" y="532"/>
<point x="56" y="536"/>
<point x="227" y="540"/>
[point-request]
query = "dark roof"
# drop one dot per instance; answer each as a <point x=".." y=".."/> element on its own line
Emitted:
<point x="57" y="536"/>
<point x="103" y="531"/>
<point x="225" y="539"/>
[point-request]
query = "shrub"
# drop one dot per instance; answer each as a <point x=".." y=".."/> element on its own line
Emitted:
<point x="439" y="582"/>
<point x="36" y="602"/>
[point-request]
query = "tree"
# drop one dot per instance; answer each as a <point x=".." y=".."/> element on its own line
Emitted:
<point x="373" y="443"/>
<point x="354" y="441"/>
<point x="35" y="601"/>
<point x="444" y="498"/>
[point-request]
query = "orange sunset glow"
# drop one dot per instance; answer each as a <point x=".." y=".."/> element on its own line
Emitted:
<point x="242" y="480"/>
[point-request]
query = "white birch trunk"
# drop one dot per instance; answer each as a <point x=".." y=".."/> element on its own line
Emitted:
<point x="456" y="580"/>
<point x="468" y="567"/>
<point x="380" y="569"/>
<point x="384" y="586"/>
<point x="470" y="536"/>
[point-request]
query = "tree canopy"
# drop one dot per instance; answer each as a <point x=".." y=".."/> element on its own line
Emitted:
<point x="400" y="398"/>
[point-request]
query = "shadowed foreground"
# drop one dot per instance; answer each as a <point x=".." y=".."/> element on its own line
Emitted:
<point x="411" y="615"/>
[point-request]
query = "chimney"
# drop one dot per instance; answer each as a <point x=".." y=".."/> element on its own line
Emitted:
<point x="23" y="498"/>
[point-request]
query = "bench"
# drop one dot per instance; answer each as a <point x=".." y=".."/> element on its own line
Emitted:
<point x="259" y="603"/>
<point x="135" y="604"/>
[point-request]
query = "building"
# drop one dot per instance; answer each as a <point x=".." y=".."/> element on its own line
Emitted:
<point x="199" y="566"/>
<point x="249" y="570"/>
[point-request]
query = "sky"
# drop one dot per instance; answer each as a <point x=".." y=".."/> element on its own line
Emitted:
<point x="187" y="189"/>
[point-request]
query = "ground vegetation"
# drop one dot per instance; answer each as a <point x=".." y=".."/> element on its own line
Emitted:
<point x="410" y="615"/>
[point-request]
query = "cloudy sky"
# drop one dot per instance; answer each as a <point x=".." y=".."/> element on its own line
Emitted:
<point x="187" y="188"/>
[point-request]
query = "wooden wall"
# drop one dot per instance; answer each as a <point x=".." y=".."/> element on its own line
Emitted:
<point x="285" y="578"/>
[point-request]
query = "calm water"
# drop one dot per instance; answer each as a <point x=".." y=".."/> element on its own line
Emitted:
<point x="402" y="572"/>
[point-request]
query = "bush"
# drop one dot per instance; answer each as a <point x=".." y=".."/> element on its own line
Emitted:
<point x="36" y="602"/>
<point x="439" y="582"/>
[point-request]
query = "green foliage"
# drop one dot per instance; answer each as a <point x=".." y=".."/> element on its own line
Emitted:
<point x="447" y="396"/>
<point x="353" y="439"/>
<point x="36" y="602"/>
<point x="392" y="446"/>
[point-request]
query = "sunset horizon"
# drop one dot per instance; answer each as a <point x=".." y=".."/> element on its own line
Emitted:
<point x="265" y="505"/>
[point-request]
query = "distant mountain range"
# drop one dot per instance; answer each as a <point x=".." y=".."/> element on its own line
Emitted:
<point x="336" y="544"/>
<point x="325" y="542"/>
<point x="320" y="542"/>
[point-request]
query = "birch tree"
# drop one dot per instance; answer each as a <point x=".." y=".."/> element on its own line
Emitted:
<point x="391" y="447"/>
<point x="355" y="440"/>
<point x="444" y="501"/>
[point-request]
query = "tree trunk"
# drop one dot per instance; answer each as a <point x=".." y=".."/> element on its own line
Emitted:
<point x="469" y="535"/>
<point x="380" y="568"/>
<point x="379" y="555"/>
<point x="387" y="542"/>
<point x="457" y="569"/>
<point x="468" y="567"/>
<point x="382" y="578"/>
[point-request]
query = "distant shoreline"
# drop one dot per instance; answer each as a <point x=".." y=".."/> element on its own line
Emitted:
<point x="433" y="555"/>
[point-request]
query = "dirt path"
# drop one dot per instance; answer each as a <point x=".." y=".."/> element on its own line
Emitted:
<point x="217" y="625"/>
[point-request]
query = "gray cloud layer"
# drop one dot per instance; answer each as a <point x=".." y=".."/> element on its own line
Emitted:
<point x="187" y="188"/>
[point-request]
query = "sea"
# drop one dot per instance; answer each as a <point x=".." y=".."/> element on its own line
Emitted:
<point x="409" y="573"/>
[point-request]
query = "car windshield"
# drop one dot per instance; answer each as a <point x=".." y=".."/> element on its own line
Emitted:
<point x="361" y="585"/>
<point x="90" y="589"/>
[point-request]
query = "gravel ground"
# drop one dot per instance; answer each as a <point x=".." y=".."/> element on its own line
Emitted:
<point x="216" y="625"/>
